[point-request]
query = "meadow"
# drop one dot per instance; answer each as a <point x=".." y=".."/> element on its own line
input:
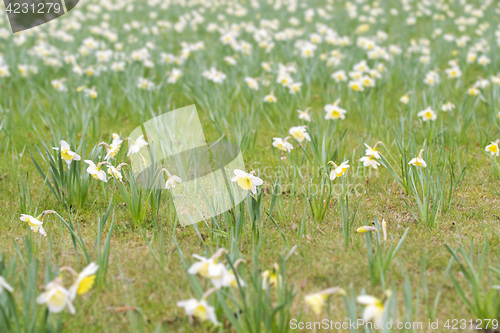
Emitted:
<point x="369" y="131"/>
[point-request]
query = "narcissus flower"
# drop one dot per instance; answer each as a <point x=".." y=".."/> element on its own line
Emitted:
<point x="116" y="172"/>
<point x="113" y="148"/>
<point x="365" y="228"/>
<point x="5" y="285"/>
<point x="374" y="309"/>
<point x="369" y="151"/>
<point x="36" y="223"/>
<point x="137" y="145"/>
<point x="282" y="145"/>
<point x="333" y="111"/>
<point x="95" y="170"/>
<point x="56" y="297"/>
<point x="493" y="148"/>
<point x="304" y="115"/>
<point x="427" y="114"/>
<point x="172" y="180"/>
<point x="418" y="161"/>
<point x="270" y="98"/>
<point x="66" y="154"/>
<point x="84" y="281"/>
<point x="317" y="300"/>
<point x="384" y="229"/>
<point x="369" y="161"/>
<point x="271" y="278"/>
<point x="299" y="133"/>
<point x="448" y="106"/>
<point x="338" y="171"/>
<point x="405" y="99"/>
<point x="199" y="309"/>
<point x="247" y="181"/>
<point x="252" y="83"/>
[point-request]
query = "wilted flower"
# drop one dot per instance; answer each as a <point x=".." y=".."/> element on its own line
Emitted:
<point x="365" y="228"/>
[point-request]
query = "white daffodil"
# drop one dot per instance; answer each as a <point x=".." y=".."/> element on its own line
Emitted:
<point x="405" y="99"/>
<point x="282" y="145"/>
<point x="299" y="133"/>
<point x="137" y="145"/>
<point x="492" y="148"/>
<point x="374" y="310"/>
<point x="271" y="98"/>
<point x="333" y="111"/>
<point x="271" y="278"/>
<point x="66" y="154"/>
<point x="199" y="309"/>
<point x="226" y="279"/>
<point x="5" y="285"/>
<point x="113" y="148"/>
<point x="365" y="229"/>
<point x="304" y="115"/>
<point x="95" y="170"/>
<point x="384" y="229"/>
<point x="338" y="171"/>
<point x="448" y="106"/>
<point x="116" y="172"/>
<point x="252" y="83"/>
<point x="84" y="281"/>
<point x="427" y="114"/>
<point x="369" y="151"/>
<point x="418" y="161"/>
<point x="369" y="161"/>
<point x="56" y="297"/>
<point x="172" y="180"/>
<point x="36" y="223"/>
<point x="317" y="300"/>
<point x="247" y="181"/>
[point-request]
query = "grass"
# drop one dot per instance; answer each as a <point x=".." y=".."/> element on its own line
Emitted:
<point x="299" y="223"/>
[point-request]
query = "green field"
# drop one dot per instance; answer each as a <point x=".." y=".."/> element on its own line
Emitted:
<point x="419" y="81"/>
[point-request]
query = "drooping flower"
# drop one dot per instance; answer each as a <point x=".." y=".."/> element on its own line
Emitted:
<point x="36" y="223"/>
<point x="369" y="161"/>
<point x="247" y="181"/>
<point x="66" y="154"/>
<point x="172" y="180"/>
<point x="56" y="297"/>
<point x="95" y="170"/>
<point x="282" y="145"/>
<point x="199" y="309"/>
<point x="338" y="171"/>
<point x="137" y="145"/>
<point x="492" y="148"/>
<point x="317" y="300"/>
<point x="116" y="172"/>
<point x="427" y="114"/>
<point x="113" y="148"/>
<point x="270" y="98"/>
<point x="369" y="151"/>
<point x="304" y="115"/>
<point x="271" y="278"/>
<point x="418" y="161"/>
<point x="448" y="106"/>
<point x="374" y="310"/>
<point x="365" y="228"/>
<point x="299" y="133"/>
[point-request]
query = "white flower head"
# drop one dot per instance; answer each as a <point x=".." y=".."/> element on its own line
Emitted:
<point x="95" y="171"/>
<point x="247" y="181"/>
<point x="199" y="309"/>
<point x="56" y="297"/>
<point x="66" y="154"/>
<point x="84" y="281"/>
<point x="427" y="114"/>
<point x="137" y="145"/>
<point x="338" y="171"/>
<point x="299" y="133"/>
<point x="492" y="148"/>
<point x="282" y="145"/>
<point x="418" y="161"/>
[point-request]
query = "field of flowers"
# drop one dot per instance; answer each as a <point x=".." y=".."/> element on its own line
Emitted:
<point x="370" y="132"/>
